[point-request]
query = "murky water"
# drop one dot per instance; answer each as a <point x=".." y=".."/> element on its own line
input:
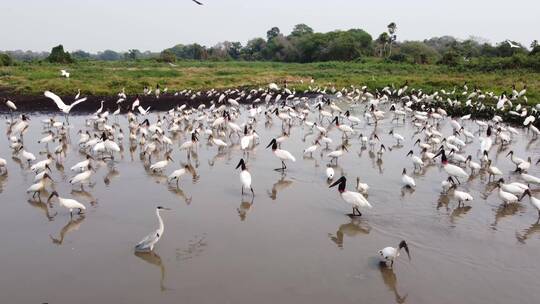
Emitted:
<point x="293" y="243"/>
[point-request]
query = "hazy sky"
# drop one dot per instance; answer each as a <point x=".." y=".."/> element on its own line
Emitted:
<point x="95" y="25"/>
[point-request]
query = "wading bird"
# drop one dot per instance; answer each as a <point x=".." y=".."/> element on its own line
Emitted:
<point x="391" y="253"/>
<point x="283" y="155"/>
<point x="67" y="203"/>
<point x="147" y="244"/>
<point x="354" y="198"/>
<point x="245" y="177"/>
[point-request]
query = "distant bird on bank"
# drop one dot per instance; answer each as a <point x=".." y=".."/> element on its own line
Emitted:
<point x="11" y="105"/>
<point x="64" y="73"/>
<point x="199" y="3"/>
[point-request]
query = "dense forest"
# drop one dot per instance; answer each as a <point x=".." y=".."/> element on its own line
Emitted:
<point x="304" y="45"/>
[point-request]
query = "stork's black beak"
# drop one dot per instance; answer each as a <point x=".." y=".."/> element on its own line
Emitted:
<point x="335" y="183"/>
<point x="240" y="163"/>
<point x="271" y="143"/>
<point x="440" y="152"/>
<point x="404" y="245"/>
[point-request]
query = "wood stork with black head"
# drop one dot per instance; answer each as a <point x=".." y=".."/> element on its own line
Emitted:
<point x="175" y="175"/>
<point x="356" y="199"/>
<point x="245" y="176"/>
<point x="534" y="201"/>
<point x="391" y="253"/>
<point x="406" y="180"/>
<point x="283" y="155"/>
<point x="67" y="203"/>
<point x="452" y="170"/>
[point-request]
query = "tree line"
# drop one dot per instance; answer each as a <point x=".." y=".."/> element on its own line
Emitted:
<point x="304" y="45"/>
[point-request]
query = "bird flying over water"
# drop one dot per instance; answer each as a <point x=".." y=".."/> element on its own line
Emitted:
<point x="199" y="3"/>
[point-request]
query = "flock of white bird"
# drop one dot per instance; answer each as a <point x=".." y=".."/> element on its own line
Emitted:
<point x="223" y="121"/>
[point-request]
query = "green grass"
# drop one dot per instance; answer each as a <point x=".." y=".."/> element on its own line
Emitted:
<point x="107" y="78"/>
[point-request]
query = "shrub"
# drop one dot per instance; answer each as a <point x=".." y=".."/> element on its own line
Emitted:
<point x="58" y="55"/>
<point x="5" y="60"/>
<point x="398" y="57"/>
<point x="450" y="58"/>
<point x="167" y="56"/>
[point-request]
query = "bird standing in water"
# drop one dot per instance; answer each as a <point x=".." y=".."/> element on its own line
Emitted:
<point x="245" y="177"/>
<point x="354" y="198"/>
<point x="391" y="253"/>
<point x="147" y="244"/>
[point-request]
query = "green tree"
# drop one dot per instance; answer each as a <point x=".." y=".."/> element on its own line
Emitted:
<point x="109" y="55"/>
<point x="5" y="60"/>
<point x="419" y="52"/>
<point x="272" y="33"/>
<point x="235" y="50"/>
<point x="450" y="58"/>
<point x="167" y="56"/>
<point x="254" y="49"/>
<point x="392" y="28"/>
<point x="382" y="42"/>
<point x="535" y="48"/>
<point x="80" y="54"/>
<point x="300" y="30"/>
<point x="132" y="54"/>
<point x="58" y="55"/>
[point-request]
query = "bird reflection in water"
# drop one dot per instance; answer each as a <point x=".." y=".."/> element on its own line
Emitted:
<point x="278" y="186"/>
<point x="154" y="259"/>
<point x="245" y="205"/>
<point x="443" y="201"/>
<point x="390" y="280"/>
<point x="111" y="173"/>
<point x="351" y="229"/>
<point x="72" y="225"/>
<point x="504" y="211"/>
<point x="3" y="178"/>
<point x="44" y="207"/>
<point x="534" y="228"/>
<point x="459" y="212"/>
<point x="180" y="193"/>
<point x="195" y="248"/>
<point x="84" y="195"/>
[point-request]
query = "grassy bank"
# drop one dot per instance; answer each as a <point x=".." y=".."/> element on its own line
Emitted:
<point x="106" y="78"/>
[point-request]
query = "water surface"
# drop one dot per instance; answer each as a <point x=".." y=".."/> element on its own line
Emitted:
<point x="292" y="243"/>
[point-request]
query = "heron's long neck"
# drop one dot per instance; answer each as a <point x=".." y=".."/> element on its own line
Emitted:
<point x="161" y="226"/>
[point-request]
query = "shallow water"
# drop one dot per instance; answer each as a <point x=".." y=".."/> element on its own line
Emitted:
<point x="293" y="243"/>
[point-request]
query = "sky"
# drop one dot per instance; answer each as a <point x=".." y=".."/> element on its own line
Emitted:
<point x="96" y="25"/>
